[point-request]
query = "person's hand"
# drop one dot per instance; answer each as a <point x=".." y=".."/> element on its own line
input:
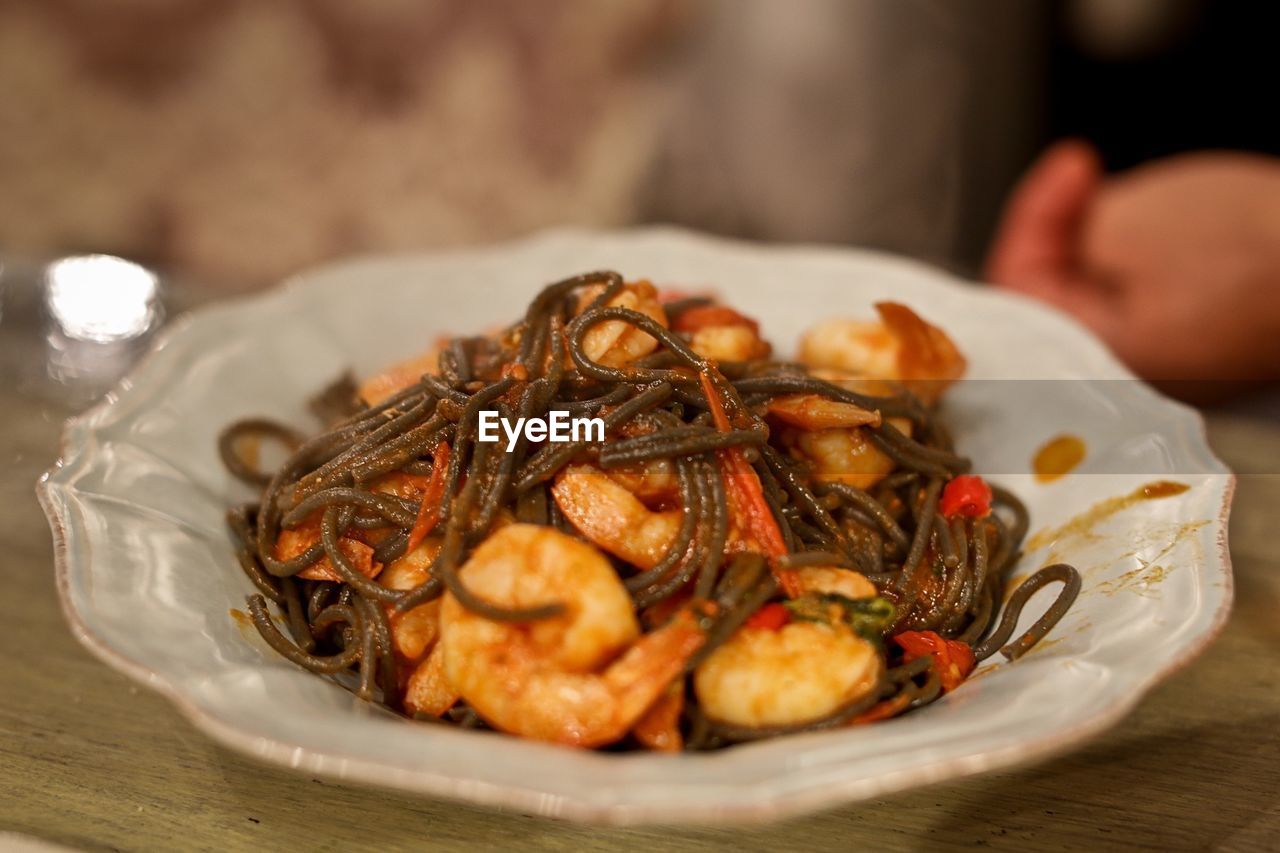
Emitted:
<point x="1176" y="265"/>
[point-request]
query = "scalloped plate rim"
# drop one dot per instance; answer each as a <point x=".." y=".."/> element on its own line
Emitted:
<point x="59" y="500"/>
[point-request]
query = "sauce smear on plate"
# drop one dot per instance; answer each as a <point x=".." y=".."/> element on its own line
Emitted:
<point x="1058" y="457"/>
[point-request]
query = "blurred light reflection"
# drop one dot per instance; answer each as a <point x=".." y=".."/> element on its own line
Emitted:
<point x="101" y="298"/>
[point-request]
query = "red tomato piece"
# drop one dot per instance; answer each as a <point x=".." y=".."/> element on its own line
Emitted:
<point x="966" y="495"/>
<point x="771" y="617"/>
<point x="704" y="316"/>
<point x="952" y="659"/>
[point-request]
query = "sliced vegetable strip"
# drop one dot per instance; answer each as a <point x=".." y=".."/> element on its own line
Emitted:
<point x="746" y="496"/>
<point x="429" y="509"/>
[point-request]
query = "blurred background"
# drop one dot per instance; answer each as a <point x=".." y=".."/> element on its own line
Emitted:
<point x="230" y="143"/>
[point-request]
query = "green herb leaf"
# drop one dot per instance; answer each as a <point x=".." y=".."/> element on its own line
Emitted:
<point x="868" y="617"/>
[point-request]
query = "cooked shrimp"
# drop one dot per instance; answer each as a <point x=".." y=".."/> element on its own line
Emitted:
<point x="659" y="728"/>
<point x="615" y="343"/>
<point x="582" y="678"/>
<point x="356" y="545"/>
<point x="412" y="569"/>
<point x="764" y="677"/>
<point x="812" y="411"/>
<point x="829" y="433"/>
<point x="729" y="343"/>
<point x="843" y="455"/>
<point x="653" y="482"/>
<point x="294" y="542"/>
<point x="852" y="382"/>
<point x="429" y="692"/>
<point x="400" y="375"/>
<point x="863" y="347"/>
<point x="414" y="632"/>
<point x="720" y="333"/>
<point x="402" y="485"/>
<point x="901" y="347"/>
<point x="613" y="518"/>
<point x="824" y="579"/>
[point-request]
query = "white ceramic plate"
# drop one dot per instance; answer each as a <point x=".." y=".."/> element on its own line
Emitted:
<point x="147" y="576"/>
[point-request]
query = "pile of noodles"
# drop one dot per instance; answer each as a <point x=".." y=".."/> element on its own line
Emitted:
<point x="893" y="533"/>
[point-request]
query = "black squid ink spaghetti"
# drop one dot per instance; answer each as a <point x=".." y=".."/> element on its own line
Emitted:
<point x="756" y="547"/>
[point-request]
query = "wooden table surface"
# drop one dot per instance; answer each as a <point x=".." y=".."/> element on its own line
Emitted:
<point x="90" y="760"/>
